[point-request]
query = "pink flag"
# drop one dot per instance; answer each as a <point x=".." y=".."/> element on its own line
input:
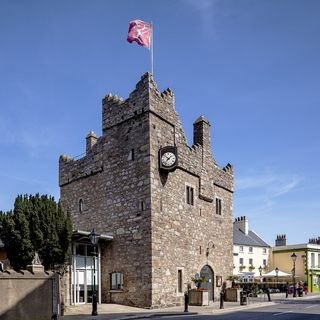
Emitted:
<point x="140" y="32"/>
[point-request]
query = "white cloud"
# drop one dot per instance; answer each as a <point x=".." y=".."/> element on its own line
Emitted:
<point x="260" y="193"/>
<point x="205" y="10"/>
<point x="268" y="184"/>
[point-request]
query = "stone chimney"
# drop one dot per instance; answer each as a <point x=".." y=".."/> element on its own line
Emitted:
<point x="201" y="133"/>
<point x="314" y="240"/>
<point x="281" y="240"/>
<point x="91" y="140"/>
<point x="242" y="223"/>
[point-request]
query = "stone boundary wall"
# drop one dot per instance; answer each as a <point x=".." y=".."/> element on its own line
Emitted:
<point x="29" y="296"/>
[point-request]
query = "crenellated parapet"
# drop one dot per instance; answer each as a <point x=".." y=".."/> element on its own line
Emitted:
<point x="71" y="169"/>
<point x="117" y="110"/>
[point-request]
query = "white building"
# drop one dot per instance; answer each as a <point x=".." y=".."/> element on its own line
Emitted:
<point x="250" y="252"/>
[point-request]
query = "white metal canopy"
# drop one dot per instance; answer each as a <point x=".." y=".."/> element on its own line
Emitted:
<point x="273" y="273"/>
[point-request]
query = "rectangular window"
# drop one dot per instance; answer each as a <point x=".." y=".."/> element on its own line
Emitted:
<point x="218" y="206"/>
<point x="250" y="250"/>
<point x="264" y="262"/>
<point x="80" y="249"/>
<point x="264" y="250"/>
<point x="179" y="280"/>
<point x="241" y="249"/>
<point x="241" y="261"/>
<point x="189" y="195"/>
<point x="251" y="262"/>
<point x="312" y="260"/>
<point x="116" y="281"/>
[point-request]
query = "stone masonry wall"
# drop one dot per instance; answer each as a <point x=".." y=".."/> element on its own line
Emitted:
<point x="182" y="232"/>
<point x="113" y="180"/>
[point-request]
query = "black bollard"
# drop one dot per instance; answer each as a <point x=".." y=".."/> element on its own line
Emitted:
<point x="94" y="304"/>
<point x="221" y="299"/>
<point x="186" y="301"/>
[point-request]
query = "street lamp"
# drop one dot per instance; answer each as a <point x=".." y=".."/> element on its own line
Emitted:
<point x="260" y="272"/>
<point x="94" y="238"/>
<point x="294" y="258"/>
<point x="277" y="272"/>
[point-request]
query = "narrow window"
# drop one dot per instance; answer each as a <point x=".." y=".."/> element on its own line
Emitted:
<point x="200" y="250"/>
<point x="241" y="249"/>
<point x="241" y="261"/>
<point x="251" y="261"/>
<point x="189" y="195"/>
<point x="218" y="206"/>
<point x="142" y="205"/>
<point x="116" y="281"/>
<point x="264" y="262"/>
<point x="250" y="250"/>
<point x="131" y="155"/>
<point x="179" y="280"/>
<point x="264" y="250"/>
<point x="80" y="206"/>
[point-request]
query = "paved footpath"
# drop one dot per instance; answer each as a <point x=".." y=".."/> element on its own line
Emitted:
<point x="109" y="311"/>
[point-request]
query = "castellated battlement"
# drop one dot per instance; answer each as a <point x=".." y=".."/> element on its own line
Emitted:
<point x="71" y="169"/>
<point x="116" y="110"/>
<point x="146" y="101"/>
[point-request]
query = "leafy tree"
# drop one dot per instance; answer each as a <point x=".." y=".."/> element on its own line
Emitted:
<point x="37" y="224"/>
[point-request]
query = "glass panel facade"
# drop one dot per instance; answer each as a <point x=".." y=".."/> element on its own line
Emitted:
<point x="85" y="277"/>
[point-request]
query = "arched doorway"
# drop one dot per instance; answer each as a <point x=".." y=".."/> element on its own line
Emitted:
<point x="207" y="273"/>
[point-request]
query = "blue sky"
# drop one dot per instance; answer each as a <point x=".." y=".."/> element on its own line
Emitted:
<point x="249" y="66"/>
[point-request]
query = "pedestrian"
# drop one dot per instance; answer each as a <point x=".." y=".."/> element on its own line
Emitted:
<point x="294" y="290"/>
<point x="286" y="288"/>
<point x="305" y="288"/>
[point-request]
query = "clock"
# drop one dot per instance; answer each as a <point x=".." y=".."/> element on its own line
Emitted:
<point x="168" y="158"/>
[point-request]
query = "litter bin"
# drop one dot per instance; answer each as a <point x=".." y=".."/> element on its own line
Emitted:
<point x="243" y="298"/>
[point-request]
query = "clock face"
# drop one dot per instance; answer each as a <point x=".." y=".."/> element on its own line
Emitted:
<point x="168" y="159"/>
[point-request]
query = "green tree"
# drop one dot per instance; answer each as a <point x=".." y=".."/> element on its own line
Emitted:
<point x="37" y="224"/>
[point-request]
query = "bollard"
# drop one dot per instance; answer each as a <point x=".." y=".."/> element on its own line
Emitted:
<point x="94" y="304"/>
<point x="186" y="301"/>
<point x="221" y="299"/>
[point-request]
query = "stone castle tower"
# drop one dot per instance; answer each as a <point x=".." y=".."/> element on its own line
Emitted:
<point x="168" y="225"/>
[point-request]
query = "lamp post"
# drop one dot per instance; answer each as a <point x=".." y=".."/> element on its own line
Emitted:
<point x="277" y="272"/>
<point x="260" y="272"/>
<point x="294" y="258"/>
<point x="94" y="238"/>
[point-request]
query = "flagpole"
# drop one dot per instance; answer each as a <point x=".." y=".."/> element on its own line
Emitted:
<point x="152" y="49"/>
